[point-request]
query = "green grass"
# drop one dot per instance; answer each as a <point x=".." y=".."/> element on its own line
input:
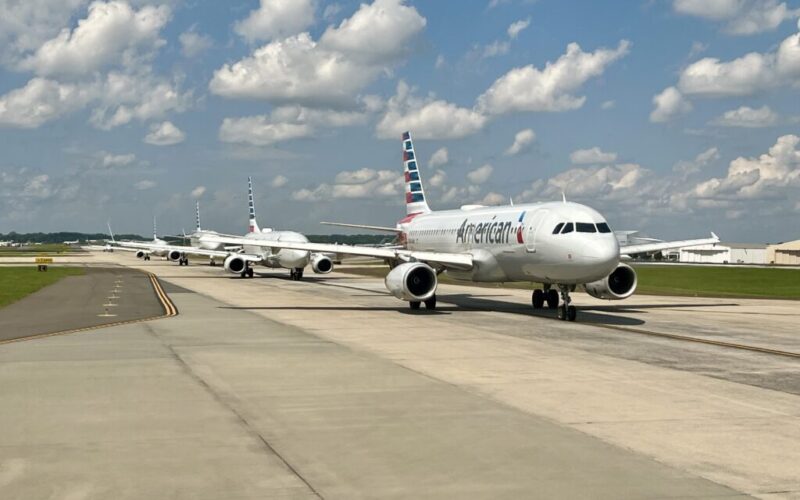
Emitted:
<point x="44" y="249"/>
<point x="755" y="282"/>
<point x="692" y="281"/>
<point x="17" y="282"/>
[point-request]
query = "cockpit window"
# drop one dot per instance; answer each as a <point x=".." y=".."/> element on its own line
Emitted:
<point x="585" y="227"/>
<point x="603" y="228"/>
<point x="568" y="228"/>
<point x="558" y="228"/>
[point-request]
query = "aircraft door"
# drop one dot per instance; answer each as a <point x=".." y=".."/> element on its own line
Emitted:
<point x="532" y="227"/>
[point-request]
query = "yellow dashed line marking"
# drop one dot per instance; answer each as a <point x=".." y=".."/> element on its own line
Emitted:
<point x="169" y="311"/>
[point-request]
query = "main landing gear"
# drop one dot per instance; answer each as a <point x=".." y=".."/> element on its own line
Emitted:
<point x="247" y="272"/>
<point x="550" y="296"/>
<point x="296" y="274"/>
<point x="430" y="304"/>
<point x="183" y="261"/>
<point x="212" y="262"/>
<point x="146" y="257"/>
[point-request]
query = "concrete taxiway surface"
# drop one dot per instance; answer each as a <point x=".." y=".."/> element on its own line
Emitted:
<point x="330" y="388"/>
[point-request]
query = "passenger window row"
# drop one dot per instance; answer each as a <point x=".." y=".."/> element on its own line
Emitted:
<point x="581" y="227"/>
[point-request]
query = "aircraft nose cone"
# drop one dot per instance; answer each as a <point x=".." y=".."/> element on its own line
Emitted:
<point x="602" y="250"/>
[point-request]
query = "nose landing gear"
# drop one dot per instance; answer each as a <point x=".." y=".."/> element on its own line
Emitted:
<point x="547" y="296"/>
<point x="566" y="312"/>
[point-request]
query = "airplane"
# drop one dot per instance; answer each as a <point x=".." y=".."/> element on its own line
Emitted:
<point x="253" y="249"/>
<point x="143" y="250"/>
<point x="562" y="245"/>
<point x="241" y="258"/>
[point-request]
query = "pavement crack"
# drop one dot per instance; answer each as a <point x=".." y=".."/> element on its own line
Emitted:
<point x="250" y="429"/>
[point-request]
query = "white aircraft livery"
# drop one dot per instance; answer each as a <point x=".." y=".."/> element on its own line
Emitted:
<point x="252" y="249"/>
<point x="559" y="244"/>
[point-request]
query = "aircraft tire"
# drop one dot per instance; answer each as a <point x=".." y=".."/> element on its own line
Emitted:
<point x="430" y="304"/>
<point x="572" y="313"/>
<point x="537" y="299"/>
<point x="414" y="305"/>
<point x="551" y="296"/>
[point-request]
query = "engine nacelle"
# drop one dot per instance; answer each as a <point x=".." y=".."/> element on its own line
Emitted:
<point x="412" y="281"/>
<point x="234" y="264"/>
<point x="321" y="264"/>
<point x="618" y="285"/>
<point x="174" y="255"/>
<point x="140" y="254"/>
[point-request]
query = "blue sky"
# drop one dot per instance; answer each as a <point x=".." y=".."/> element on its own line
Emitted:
<point x="672" y="117"/>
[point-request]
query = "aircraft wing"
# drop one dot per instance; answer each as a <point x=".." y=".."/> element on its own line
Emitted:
<point x="169" y="248"/>
<point x="365" y="226"/>
<point x="666" y="245"/>
<point x="453" y="260"/>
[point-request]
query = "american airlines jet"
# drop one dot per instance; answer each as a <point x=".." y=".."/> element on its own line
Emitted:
<point x="253" y="252"/>
<point x="562" y="245"/>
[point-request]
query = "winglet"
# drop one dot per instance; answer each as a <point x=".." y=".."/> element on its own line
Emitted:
<point x="110" y="232"/>
<point x="563" y="196"/>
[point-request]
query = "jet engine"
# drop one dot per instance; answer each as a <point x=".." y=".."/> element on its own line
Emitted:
<point x="174" y="255"/>
<point x="321" y="264"/>
<point x="140" y="254"/>
<point x="412" y="281"/>
<point x="234" y="264"/>
<point x="618" y="285"/>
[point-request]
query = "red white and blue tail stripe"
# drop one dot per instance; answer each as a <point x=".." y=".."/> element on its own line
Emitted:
<point x="415" y="194"/>
<point x="253" y="225"/>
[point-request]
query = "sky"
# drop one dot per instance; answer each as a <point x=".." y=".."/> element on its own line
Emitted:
<point x="673" y="117"/>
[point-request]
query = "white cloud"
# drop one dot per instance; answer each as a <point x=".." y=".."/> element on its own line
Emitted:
<point x="550" y="89"/>
<point x="110" y="160"/>
<point x="124" y="97"/>
<point x="259" y="131"/>
<point x="377" y="32"/>
<point x="493" y="198"/>
<point x="164" y="134"/>
<point x="198" y="191"/>
<point x="279" y="181"/>
<point x="437" y="179"/>
<point x="608" y="105"/>
<point x="275" y="19"/>
<point x="285" y="123"/>
<point x="145" y="184"/>
<point x="742" y="17"/>
<point x="439" y="158"/>
<point x="494" y="49"/>
<point x="691" y="167"/>
<point x="40" y="101"/>
<point x="669" y="104"/>
<point x="591" y="155"/>
<point x="428" y="118"/>
<point x="26" y="25"/>
<point x="440" y="62"/>
<point x="480" y="174"/>
<point x="518" y="27"/>
<point x="749" y="178"/>
<point x="193" y="44"/>
<point x="112" y="33"/>
<point x="609" y="182"/>
<point x="331" y="71"/>
<point x="356" y="184"/>
<point x="522" y="141"/>
<point x="746" y="75"/>
<point x="747" y="117"/>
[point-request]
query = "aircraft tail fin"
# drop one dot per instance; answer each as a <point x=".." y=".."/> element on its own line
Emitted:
<point x="253" y="225"/>
<point x="197" y="212"/>
<point x="155" y="231"/>
<point x="414" y="192"/>
<point x="110" y="232"/>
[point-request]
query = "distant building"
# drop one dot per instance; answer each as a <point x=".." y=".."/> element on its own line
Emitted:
<point x="784" y="253"/>
<point x="725" y="253"/>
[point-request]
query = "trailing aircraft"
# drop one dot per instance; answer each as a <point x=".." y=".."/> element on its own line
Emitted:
<point x="241" y="257"/>
<point x="562" y="245"/>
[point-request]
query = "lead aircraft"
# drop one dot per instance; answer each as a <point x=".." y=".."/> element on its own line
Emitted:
<point x="562" y="245"/>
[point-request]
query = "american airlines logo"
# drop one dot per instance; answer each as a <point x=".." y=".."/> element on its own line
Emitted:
<point x="497" y="232"/>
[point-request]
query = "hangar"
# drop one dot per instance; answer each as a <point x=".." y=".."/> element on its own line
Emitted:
<point x="784" y="253"/>
<point x="725" y="253"/>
